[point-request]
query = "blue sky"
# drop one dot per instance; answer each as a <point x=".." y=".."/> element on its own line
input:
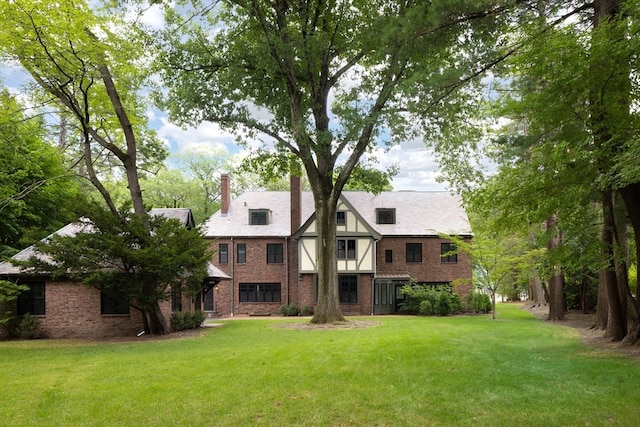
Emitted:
<point x="418" y="169"/>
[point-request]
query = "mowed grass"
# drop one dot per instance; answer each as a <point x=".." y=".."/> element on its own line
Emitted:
<point x="407" y="371"/>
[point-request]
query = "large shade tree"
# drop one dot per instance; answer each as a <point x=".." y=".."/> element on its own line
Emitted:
<point x="327" y="81"/>
<point x="35" y="186"/>
<point x="574" y="91"/>
<point x="95" y="67"/>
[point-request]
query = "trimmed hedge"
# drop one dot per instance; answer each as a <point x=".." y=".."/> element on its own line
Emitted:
<point x="183" y="320"/>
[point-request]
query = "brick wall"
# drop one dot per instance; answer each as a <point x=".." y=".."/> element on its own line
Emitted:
<point x="301" y="289"/>
<point x="255" y="270"/>
<point x="72" y="310"/>
<point x="431" y="269"/>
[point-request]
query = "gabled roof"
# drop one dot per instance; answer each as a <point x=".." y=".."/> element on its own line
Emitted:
<point x="369" y="229"/>
<point x="236" y="222"/>
<point x="418" y="213"/>
<point x="183" y="215"/>
<point x="8" y="269"/>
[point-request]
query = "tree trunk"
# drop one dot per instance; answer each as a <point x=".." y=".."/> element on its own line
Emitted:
<point x="493" y="305"/>
<point x="631" y="197"/>
<point x="129" y="160"/>
<point x="328" y="308"/>
<point x="537" y="291"/>
<point x="158" y="324"/>
<point x="616" y="323"/>
<point x="556" y="280"/>
<point x="585" y="284"/>
<point x="602" y="309"/>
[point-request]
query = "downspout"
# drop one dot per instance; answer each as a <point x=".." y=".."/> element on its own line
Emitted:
<point x="233" y="276"/>
<point x="375" y="272"/>
<point x="286" y="269"/>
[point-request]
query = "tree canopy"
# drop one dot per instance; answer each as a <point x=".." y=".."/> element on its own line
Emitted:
<point x="94" y="67"/>
<point x="35" y="186"/>
<point x="327" y="82"/>
<point x="118" y="256"/>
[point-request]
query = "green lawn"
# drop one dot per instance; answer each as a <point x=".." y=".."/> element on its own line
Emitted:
<point x="408" y="371"/>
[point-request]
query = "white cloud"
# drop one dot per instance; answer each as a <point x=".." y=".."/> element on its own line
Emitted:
<point x="206" y="135"/>
<point x="418" y="169"/>
<point x="153" y="17"/>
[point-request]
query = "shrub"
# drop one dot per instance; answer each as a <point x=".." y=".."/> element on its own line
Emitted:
<point x="29" y="327"/>
<point x="9" y="293"/>
<point x="479" y="303"/>
<point x="307" y="310"/>
<point x="197" y="317"/>
<point x="426" y="308"/>
<point x="428" y="300"/>
<point x="183" y="320"/>
<point x="456" y="303"/>
<point x="414" y="297"/>
<point x="288" y="310"/>
<point x="443" y="304"/>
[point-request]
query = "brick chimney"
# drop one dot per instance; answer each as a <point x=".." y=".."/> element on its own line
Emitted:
<point x="225" y="193"/>
<point x="296" y="203"/>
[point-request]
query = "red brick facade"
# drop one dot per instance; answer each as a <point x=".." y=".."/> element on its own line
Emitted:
<point x="369" y="293"/>
<point x="431" y="269"/>
<point x="300" y="289"/>
<point x="72" y="310"/>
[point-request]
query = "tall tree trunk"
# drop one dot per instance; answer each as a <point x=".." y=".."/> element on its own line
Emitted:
<point x="616" y="323"/>
<point x="158" y="324"/>
<point x="556" y="280"/>
<point x="631" y="197"/>
<point x="602" y="308"/>
<point x="328" y="308"/>
<point x="585" y="284"/>
<point x="537" y="292"/>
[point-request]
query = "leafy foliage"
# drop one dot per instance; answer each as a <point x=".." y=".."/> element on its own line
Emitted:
<point x="429" y="300"/>
<point x="478" y="302"/>
<point x="183" y="320"/>
<point x="29" y="327"/>
<point x="119" y="256"/>
<point x="35" y="187"/>
<point x="288" y="310"/>
<point x="329" y="83"/>
<point x="9" y="293"/>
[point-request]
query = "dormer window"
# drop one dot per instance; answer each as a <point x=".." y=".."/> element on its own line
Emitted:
<point x="386" y="216"/>
<point x="258" y="216"/>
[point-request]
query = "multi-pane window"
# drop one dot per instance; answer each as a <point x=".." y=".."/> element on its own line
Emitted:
<point x="386" y="216"/>
<point x="274" y="253"/>
<point x="388" y="255"/>
<point x="209" y="295"/>
<point x="176" y="297"/>
<point x="341" y="217"/>
<point x="110" y="305"/>
<point x="348" y="288"/>
<point x="258" y="216"/>
<point x="32" y="300"/>
<point x="223" y="253"/>
<point x="414" y="252"/>
<point x="346" y="249"/>
<point x="448" y="252"/>
<point x="242" y="253"/>
<point x="259" y="292"/>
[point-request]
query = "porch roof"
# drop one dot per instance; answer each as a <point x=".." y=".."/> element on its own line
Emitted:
<point x="393" y="276"/>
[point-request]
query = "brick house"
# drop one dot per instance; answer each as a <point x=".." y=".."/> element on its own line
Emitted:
<point x="266" y="242"/>
<point x="68" y="309"/>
